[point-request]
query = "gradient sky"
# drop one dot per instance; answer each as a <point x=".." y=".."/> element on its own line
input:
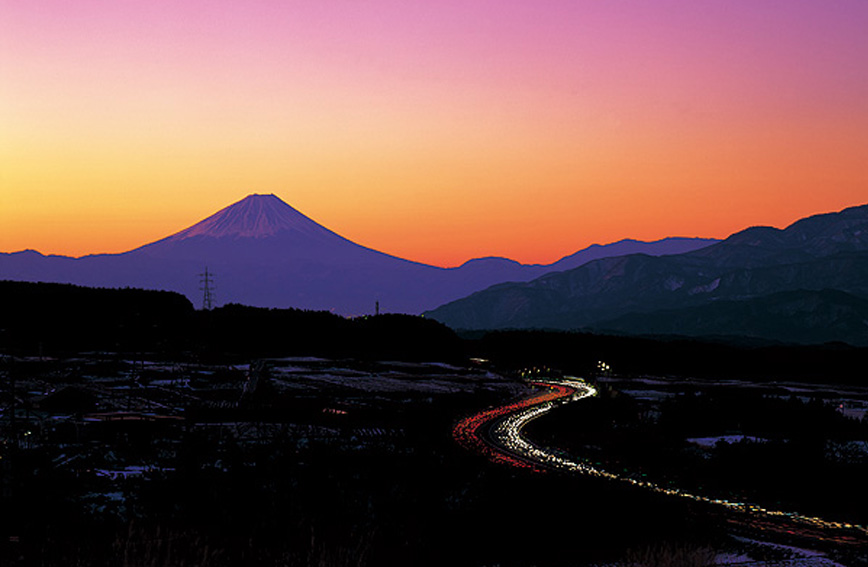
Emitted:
<point x="436" y="131"/>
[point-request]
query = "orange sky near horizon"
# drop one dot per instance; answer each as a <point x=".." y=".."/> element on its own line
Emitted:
<point x="437" y="134"/>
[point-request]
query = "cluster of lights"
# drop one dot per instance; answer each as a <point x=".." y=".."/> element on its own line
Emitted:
<point x="535" y="371"/>
<point x="508" y="446"/>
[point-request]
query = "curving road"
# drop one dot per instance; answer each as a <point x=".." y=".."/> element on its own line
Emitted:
<point x="497" y="434"/>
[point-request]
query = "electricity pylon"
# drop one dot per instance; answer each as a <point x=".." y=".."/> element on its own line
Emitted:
<point x="207" y="287"/>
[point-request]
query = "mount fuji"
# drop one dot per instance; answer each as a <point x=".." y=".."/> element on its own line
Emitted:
<point x="265" y="253"/>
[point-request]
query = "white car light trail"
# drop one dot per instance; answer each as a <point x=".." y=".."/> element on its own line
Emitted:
<point x="506" y="444"/>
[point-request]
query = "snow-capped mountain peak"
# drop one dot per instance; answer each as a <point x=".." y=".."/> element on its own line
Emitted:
<point x="255" y="216"/>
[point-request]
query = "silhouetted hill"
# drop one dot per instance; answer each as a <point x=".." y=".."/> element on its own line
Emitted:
<point x="46" y="317"/>
<point x="256" y="331"/>
<point x="41" y="318"/>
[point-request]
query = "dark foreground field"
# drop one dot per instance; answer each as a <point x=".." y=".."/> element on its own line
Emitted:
<point x="306" y="461"/>
<point x="135" y="430"/>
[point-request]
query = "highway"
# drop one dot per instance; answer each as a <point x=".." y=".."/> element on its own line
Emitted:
<point x="497" y="434"/>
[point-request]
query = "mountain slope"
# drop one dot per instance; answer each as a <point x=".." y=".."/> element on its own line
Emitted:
<point x="793" y="316"/>
<point x="265" y="253"/>
<point x="825" y="252"/>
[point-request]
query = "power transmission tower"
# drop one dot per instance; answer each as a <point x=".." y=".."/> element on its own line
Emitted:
<point x="207" y="281"/>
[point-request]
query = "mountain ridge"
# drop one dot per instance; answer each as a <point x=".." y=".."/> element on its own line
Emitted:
<point x="824" y="251"/>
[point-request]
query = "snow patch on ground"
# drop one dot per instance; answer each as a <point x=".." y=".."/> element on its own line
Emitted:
<point x="710" y="442"/>
<point x="707" y="288"/>
<point x="648" y="395"/>
<point x="796" y="556"/>
<point x="732" y="558"/>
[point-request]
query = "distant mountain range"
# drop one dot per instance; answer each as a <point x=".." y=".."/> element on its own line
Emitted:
<point x="265" y="253"/>
<point x="808" y="283"/>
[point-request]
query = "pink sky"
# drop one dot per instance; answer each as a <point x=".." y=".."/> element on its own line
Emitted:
<point x="434" y="131"/>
